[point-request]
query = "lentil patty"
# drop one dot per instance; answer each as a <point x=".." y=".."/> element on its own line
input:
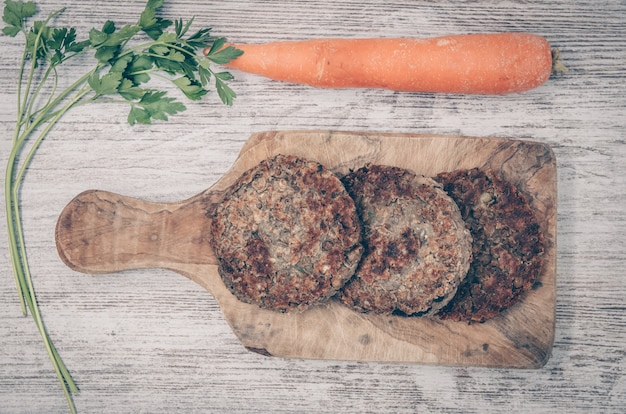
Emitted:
<point x="417" y="248"/>
<point x="286" y="234"/>
<point x="507" y="248"/>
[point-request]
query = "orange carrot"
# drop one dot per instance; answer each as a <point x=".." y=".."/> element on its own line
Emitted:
<point x="470" y="63"/>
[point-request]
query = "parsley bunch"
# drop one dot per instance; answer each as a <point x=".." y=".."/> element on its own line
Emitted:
<point x="126" y="59"/>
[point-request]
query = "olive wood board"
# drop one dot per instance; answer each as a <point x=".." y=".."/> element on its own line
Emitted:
<point x="102" y="232"/>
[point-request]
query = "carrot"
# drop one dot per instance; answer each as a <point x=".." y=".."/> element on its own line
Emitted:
<point x="469" y="63"/>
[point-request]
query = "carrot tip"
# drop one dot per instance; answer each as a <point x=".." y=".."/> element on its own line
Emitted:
<point x="558" y="67"/>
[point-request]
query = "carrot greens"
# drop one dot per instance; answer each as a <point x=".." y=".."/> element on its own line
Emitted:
<point x="126" y="59"/>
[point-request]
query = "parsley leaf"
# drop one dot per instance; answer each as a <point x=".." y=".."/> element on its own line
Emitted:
<point x="122" y="36"/>
<point x="62" y="42"/>
<point x="153" y="105"/>
<point x="204" y="75"/>
<point x="97" y="37"/>
<point x="191" y="88"/>
<point x="15" y="12"/>
<point x="60" y="37"/>
<point x="108" y="42"/>
<point x="221" y="56"/>
<point x="168" y="53"/>
<point x="105" y="54"/>
<point x="139" y="68"/>
<point x="152" y="25"/>
<point x="121" y="64"/>
<point x="172" y="64"/>
<point x="224" y="76"/>
<point x="201" y="38"/>
<point x="181" y="28"/>
<point x="226" y="94"/>
<point x="129" y="91"/>
<point x="107" y="84"/>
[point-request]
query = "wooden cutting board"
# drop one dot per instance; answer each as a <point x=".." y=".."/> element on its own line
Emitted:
<point x="101" y="232"/>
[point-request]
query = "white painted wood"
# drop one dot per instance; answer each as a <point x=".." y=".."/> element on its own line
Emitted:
<point x="153" y="341"/>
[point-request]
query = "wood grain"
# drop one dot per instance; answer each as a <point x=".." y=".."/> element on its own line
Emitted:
<point x="102" y="232"/>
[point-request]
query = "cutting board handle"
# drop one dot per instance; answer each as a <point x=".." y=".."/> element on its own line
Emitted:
<point x="103" y="232"/>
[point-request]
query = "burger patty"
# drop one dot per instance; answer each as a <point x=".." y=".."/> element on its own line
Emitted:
<point x="417" y="248"/>
<point x="286" y="234"/>
<point x="507" y="246"/>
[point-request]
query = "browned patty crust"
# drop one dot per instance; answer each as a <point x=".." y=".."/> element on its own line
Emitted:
<point x="286" y="234"/>
<point x="507" y="245"/>
<point x="417" y="248"/>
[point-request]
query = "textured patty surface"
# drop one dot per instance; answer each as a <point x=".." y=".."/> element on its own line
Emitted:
<point x="417" y="248"/>
<point x="507" y="244"/>
<point x="286" y="234"/>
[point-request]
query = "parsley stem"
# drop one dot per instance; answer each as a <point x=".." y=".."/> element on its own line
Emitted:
<point x="27" y="122"/>
<point x="57" y="115"/>
<point x="37" y="91"/>
<point x="19" y="260"/>
<point x="19" y="92"/>
<point x="14" y="252"/>
<point x="40" y="106"/>
<point x="148" y="45"/>
<point x="33" y="66"/>
<point x="45" y="116"/>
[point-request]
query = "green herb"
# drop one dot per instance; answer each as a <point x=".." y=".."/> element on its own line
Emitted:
<point x="126" y="59"/>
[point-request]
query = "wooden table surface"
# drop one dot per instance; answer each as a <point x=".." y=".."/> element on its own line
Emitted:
<point x="153" y="341"/>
